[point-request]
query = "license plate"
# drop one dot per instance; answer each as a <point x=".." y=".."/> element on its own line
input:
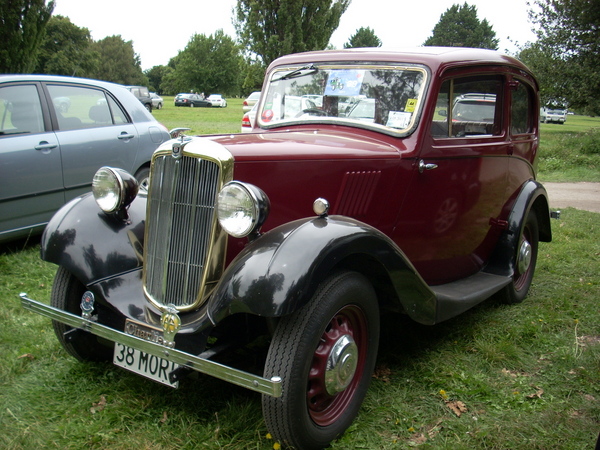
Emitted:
<point x="144" y="364"/>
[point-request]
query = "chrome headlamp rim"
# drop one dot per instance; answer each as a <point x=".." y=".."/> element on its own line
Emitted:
<point x="124" y="190"/>
<point x="255" y="215"/>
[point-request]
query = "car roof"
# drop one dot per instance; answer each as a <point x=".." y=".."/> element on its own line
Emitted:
<point x="56" y="79"/>
<point x="437" y="58"/>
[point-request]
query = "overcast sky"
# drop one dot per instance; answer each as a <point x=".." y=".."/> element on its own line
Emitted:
<point x="160" y="29"/>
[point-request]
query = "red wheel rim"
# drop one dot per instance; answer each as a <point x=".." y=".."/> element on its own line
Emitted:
<point x="324" y="408"/>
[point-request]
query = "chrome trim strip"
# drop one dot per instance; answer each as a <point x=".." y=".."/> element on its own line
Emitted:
<point x="250" y="381"/>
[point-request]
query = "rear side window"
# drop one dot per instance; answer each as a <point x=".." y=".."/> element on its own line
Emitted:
<point x="81" y="107"/>
<point x="20" y="110"/>
<point x="521" y="109"/>
<point x="468" y="106"/>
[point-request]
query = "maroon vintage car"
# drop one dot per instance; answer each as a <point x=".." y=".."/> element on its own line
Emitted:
<point x="374" y="181"/>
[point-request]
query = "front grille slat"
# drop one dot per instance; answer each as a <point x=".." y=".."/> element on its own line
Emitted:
<point x="180" y="218"/>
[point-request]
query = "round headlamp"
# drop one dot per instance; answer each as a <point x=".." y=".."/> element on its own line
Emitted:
<point x="241" y="208"/>
<point x="114" y="189"/>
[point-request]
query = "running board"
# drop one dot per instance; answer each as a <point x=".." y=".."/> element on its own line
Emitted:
<point x="457" y="297"/>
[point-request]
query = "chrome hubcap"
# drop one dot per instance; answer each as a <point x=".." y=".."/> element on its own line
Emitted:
<point x="524" y="259"/>
<point x="341" y="365"/>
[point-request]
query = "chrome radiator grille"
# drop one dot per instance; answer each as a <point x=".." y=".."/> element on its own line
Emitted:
<point x="179" y="229"/>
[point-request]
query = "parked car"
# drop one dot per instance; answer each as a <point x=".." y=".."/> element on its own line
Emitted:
<point x="413" y="212"/>
<point x="250" y="101"/>
<point x="191" y="100"/>
<point x="249" y="119"/>
<point x="55" y="133"/>
<point x="552" y="115"/>
<point x="143" y="95"/>
<point x="217" y="100"/>
<point x="157" y="100"/>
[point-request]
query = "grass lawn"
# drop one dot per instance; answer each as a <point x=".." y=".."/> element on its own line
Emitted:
<point x="525" y="376"/>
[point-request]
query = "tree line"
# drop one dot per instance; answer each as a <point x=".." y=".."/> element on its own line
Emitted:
<point x="565" y="56"/>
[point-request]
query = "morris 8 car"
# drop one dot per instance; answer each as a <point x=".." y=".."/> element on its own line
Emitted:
<point x="374" y="181"/>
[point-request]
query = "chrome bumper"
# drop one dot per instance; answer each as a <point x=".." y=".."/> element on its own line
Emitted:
<point x="253" y="382"/>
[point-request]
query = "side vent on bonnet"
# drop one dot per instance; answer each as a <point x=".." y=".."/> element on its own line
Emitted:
<point x="356" y="193"/>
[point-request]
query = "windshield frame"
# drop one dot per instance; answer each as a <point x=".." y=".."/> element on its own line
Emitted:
<point x="281" y="74"/>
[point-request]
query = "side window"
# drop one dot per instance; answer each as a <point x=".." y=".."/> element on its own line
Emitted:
<point x="20" y="110"/>
<point x="469" y="106"/>
<point x="80" y="107"/>
<point x="118" y="114"/>
<point x="521" y="109"/>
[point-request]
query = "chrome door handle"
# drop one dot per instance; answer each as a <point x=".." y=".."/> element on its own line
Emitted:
<point x="423" y="167"/>
<point x="45" y="146"/>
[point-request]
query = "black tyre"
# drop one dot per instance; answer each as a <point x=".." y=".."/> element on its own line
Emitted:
<point x="325" y="355"/>
<point x="66" y="295"/>
<point x="191" y="104"/>
<point x="143" y="178"/>
<point x="526" y="259"/>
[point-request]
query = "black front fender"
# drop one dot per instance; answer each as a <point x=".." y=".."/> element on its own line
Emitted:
<point x="278" y="273"/>
<point x="90" y="244"/>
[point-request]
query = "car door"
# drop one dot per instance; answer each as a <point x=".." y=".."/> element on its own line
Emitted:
<point x="31" y="187"/>
<point x="450" y="219"/>
<point x="94" y="132"/>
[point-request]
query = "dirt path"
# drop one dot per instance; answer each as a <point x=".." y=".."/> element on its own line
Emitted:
<point x="583" y="195"/>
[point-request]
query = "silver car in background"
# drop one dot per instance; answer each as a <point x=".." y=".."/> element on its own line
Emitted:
<point x="55" y="133"/>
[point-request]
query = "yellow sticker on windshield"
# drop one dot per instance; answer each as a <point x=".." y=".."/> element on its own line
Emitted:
<point x="411" y="104"/>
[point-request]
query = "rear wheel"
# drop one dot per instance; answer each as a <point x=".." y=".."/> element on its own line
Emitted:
<point x="526" y="258"/>
<point x="325" y="355"/>
<point x="66" y="295"/>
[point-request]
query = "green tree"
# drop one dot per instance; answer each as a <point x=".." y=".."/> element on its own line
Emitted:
<point x="117" y="62"/>
<point x="364" y="37"/>
<point x="253" y="74"/>
<point x="460" y="27"/>
<point x="209" y="64"/>
<point x="569" y="35"/>
<point x="155" y="77"/>
<point x="22" y="26"/>
<point x="271" y="29"/>
<point x="66" y="49"/>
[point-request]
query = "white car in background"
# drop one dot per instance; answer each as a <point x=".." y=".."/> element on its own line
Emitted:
<point x="249" y="119"/>
<point x="250" y="101"/>
<point x="217" y="100"/>
<point x="157" y="100"/>
<point x="555" y="116"/>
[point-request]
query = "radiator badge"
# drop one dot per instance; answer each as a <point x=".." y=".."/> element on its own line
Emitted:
<point x="177" y="150"/>
<point x="170" y="321"/>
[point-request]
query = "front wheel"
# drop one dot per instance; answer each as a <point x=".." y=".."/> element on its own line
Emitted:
<point x="143" y="178"/>
<point x="526" y="258"/>
<point x="325" y="355"/>
<point x="66" y="295"/>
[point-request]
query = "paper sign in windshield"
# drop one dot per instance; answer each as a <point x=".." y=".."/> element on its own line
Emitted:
<point x="398" y="119"/>
<point x="344" y="82"/>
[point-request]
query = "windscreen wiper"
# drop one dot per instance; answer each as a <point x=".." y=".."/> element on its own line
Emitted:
<point x="302" y="71"/>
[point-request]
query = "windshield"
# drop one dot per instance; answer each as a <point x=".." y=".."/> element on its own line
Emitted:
<point x="384" y="97"/>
